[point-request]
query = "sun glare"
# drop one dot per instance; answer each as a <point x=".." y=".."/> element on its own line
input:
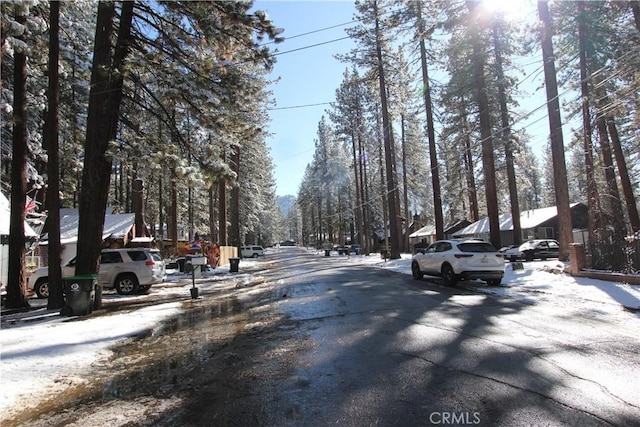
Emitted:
<point x="511" y="9"/>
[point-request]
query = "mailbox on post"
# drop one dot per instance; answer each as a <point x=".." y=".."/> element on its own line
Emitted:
<point x="198" y="260"/>
<point x="195" y="260"/>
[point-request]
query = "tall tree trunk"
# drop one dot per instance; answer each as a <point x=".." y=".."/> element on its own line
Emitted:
<point x="625" y="181"/>
<point x="393" y="200"/>
<point x="472" y="192"/>
<point x="597" y="231"/>
<point x="56" y="296"/>
<point x="565" y="228"/>
<point x="506" y="137"/>
<point x="487" y="138"/>
<point x="405" y="189"/>
<point x="364" y="188"/>
<point x="75" y="126"/>
<point x="635" y="8"/>
<point x="16" y="294"/>
<point x="190" y="213"/>
<point x="320" y="227"/>
<point x="617" y="212"/>
<point x="212" y="213"/>
<point x="222" y="213"/>
<point x="102" y="123"/>
<point x="173" y="230"/>
<point x="234" y="233"/>
<point x="385" y="206"/>
<point x="431" y="135"/>
<point x="161" y="206"/>
<point x="138" y="207"/>
<point x="356" y="175"/>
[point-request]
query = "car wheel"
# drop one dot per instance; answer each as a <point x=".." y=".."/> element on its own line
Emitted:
<point x="42" y="288"/>
<point x="126" y="284"/>
<point x="493" y="282"/>
<point x="415" y="271"/>
<point x="254" y="256"/>
<point x="528" y="256"/>
<point x="144" y="289"/>
<point x="448" y="275"/>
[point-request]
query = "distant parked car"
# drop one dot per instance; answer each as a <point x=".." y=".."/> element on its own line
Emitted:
<point x="533" y="249"/>
<point x="540" y="249"/>
<point x="356" y="249"/>
<point x="512" y="253"/>
<point x="343" y="250"/>
<point x="128" y="270"/>
<point x="251" y="251"/>
<point x="454" y="260"/>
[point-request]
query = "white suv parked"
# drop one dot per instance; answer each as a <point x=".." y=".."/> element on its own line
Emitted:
<point x="459" y="259"/>
<point x="128" y="270"/>
<point x="251" y="251"/>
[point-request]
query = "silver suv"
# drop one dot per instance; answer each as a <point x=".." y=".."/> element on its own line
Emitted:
<point x="128" y="270"/>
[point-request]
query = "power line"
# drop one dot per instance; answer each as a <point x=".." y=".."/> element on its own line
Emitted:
<point x="309" y="46"/>
<point x="315" y="31"/>
<point x="298" y="106"/>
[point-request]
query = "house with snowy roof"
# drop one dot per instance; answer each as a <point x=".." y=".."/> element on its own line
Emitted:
<point x="427" y="234"/>
<point x="119" y="230"/>
<point x="534" y="223"/>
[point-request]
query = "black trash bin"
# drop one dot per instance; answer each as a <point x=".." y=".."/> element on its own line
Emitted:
<point x="80" y="293"/>
<point x="181" y="262"/>
<point x="234" y="264"/>
<point x="327" y="252"/>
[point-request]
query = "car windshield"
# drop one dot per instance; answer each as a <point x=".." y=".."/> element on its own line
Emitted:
<point x="476" y="247"/>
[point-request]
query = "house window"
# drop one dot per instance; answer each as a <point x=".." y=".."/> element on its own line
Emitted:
<point x="544" y="233"/>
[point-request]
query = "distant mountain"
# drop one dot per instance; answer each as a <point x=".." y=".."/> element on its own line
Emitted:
<point x="285" y="203"/>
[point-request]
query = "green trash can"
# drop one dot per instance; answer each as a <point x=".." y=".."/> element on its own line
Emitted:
<point x="80" y="293"/>
<point x="234" y="264"/>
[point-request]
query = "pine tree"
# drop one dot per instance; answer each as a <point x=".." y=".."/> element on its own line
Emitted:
<point x="102" y="122"/>
<point x="565" y="229"/>
<point x="16" y="293"/>
<point x="486" y="134"/>
<point x="56" y="297"/>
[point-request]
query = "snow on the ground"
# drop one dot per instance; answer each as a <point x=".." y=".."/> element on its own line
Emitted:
<point x="35" y="353"/>
<point x="547" y="278"/>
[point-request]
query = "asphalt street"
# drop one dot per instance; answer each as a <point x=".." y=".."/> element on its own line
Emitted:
<point x="390" y="350"/>
<point x="307" y="340"/>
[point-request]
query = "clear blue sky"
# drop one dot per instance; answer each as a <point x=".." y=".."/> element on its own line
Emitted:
<point x="310" y="75"/>
<point x="307" y="76"/>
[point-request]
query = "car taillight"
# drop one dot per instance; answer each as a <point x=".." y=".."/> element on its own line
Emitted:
<point x="463" y="255"/>
<point x="149" y="263"/>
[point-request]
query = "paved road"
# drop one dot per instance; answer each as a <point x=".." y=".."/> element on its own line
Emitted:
<point x="386" y="349"/>
<point x="317" y="341"/>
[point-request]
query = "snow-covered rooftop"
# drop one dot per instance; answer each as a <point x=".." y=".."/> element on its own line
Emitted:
<point x="528" y="219"/>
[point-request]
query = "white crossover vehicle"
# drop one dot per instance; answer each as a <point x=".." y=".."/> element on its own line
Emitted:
<point x="128" y="270"/>
<point x="454" y="260"/>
